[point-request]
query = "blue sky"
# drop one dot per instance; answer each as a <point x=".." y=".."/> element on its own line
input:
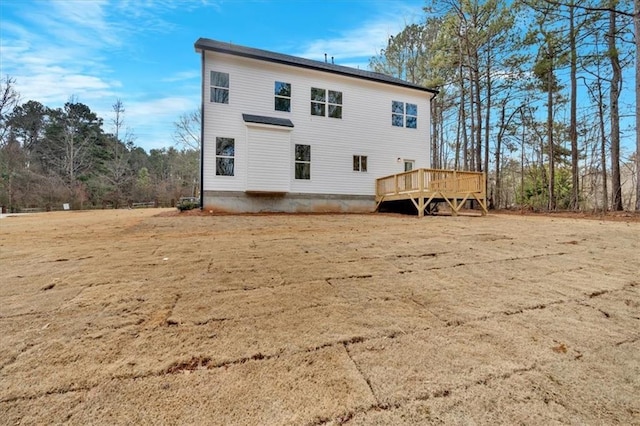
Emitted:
<point x="141" y="51"/>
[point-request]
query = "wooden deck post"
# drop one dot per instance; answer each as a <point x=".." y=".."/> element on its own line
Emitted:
<point x="484" y="184"/>
<point x="455" y="182"/>
<point x="421" y="193"/>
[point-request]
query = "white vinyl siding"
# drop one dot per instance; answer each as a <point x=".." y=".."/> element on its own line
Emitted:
<point x="269" y="164"/>
<point x="364" y="128"/>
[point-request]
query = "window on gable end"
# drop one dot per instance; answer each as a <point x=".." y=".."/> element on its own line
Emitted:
<point x="219" y="87"/>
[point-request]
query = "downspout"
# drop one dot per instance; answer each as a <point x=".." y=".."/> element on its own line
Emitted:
<point x="202" y="136"/>
<point x="432" y="140"/>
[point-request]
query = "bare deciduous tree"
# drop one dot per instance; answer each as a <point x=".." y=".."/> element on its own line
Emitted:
<point x="9" y="98"/>
<point x="187" y="130"/>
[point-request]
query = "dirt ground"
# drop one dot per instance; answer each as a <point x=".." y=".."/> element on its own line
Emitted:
<point x="151" y="317"/>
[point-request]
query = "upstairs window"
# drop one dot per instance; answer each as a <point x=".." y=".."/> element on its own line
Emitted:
<point x="282" y="93"/>
<point x="323" y="105"/>
<point x="359" y="163"/>
<point x="404" y="115"/>
<point x="335" y="104"/>
<point x="318" y="101"/>
<point x="225" y="156"/>
<point x="303" y="162"/>
<point x="411" y="119"/>
<point x="397" y="114"/>
<point x="219" y="87"/>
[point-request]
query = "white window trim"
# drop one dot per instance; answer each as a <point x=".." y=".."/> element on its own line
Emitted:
<point x="360" y="157"/>
<point x="233" y="157"/>
<point x="212" y="86"/>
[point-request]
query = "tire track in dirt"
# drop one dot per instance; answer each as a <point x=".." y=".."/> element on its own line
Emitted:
<point x="364" y="376"/>
<point x="346" y="417"/>
<point x="488" y="262"/>
<point x="16" y="356"/>
<point x="205" y="362"/>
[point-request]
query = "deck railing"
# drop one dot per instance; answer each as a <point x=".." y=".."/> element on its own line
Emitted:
<point x="431" y="180"/>
<point x="430" y="184"/>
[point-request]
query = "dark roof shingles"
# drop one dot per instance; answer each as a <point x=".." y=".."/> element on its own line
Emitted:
<point x="261" y="119"/>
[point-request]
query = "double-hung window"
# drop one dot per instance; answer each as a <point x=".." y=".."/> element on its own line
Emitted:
<point x="326" y="102"/>
<point x="225" y="156"/>
<point x="303" y="162"/>
<point x="335" y="104"/>
<point x="282" y="96"/>
<point x="219" y="87"/>
<point x="411" y="118"/>
<point x="318" y="101"/>
<point x="359" y="163"/>
<point x="404" y="115"/>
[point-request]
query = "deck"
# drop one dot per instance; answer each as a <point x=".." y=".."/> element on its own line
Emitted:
<point x="426" y="186"/>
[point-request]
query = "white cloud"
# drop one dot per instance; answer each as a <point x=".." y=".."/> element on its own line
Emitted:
<point x="152" y="121"/>
<point x="59" y="49"/>
<point x="182" y="76"/>
<point x="355" y="46"/>
<point x="170" y="106"/>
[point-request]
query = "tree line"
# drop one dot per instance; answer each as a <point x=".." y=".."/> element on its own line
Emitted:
<point x="55" y="156"/>
<point x="530" y="92"/>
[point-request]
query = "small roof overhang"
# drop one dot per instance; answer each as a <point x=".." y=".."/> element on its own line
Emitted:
<point x="272" y="121"/>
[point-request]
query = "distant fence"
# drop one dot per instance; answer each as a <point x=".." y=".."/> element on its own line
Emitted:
<point x="103" y="206"/>
<point x="143" y="205"/>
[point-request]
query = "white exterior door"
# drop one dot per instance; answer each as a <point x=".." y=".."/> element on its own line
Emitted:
<point x="408" y="179"/>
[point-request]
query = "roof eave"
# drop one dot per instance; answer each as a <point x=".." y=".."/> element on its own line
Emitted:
<point x="202" y="44"/>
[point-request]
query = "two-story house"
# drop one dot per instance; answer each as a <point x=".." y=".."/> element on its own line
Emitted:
<point x="282" y="133"/>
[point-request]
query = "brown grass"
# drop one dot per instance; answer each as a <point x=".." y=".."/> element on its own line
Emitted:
<point x="152" y="317"/>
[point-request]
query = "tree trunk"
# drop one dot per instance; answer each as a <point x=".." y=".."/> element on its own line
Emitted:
<point x="478" y="101"/>
<point x="616" y="186"/>
<point x="603" y="147"/>
<point x="552" y="173"/>
<point x="573" y="133"/>
<point x="498" y="154"/>
<point x="472" y="117"/>
<point x="522" y="161"/>
<point x="487" y="118"/>
<point x="434" y="133"/>
<point x="636" y="20"/>
<point x="463" y="120"/>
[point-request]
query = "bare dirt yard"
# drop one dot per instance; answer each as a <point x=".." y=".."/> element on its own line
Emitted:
<point x="152" y="317"/>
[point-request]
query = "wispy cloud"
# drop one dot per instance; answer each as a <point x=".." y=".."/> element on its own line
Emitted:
<point x="59" y="49"/>
<point x="182" y="76"/>
<point x="152" y="121"/>
<point x="356" y="45"/>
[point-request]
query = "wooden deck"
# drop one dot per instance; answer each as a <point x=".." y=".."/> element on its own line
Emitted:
<point x="426" y="186"/>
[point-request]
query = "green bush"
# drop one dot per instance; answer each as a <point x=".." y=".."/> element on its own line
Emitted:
<point x="188" y="203"/>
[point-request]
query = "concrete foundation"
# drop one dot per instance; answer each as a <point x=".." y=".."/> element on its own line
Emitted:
<point x="247" y="202"/>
